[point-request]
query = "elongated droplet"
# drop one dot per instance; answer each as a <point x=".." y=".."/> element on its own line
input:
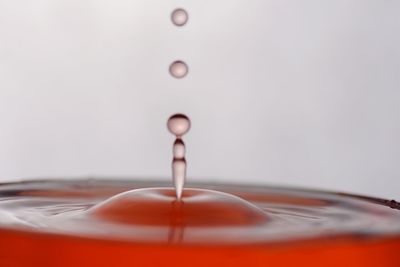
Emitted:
<point x="178" y="124"/>
<point x="179" y="175"/>
<point x="179" y="149"/>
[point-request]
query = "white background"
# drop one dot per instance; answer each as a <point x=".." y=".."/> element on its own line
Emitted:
<point x="284" y="92"/>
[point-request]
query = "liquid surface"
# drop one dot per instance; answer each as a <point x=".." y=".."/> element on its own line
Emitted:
<point x="93" y="223"/>
<point x="81" y="208"/>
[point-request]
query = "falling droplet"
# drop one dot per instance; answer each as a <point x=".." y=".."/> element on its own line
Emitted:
<point x="178" y="124"/>
<point x="179" y="17"/>
<point x="179" y="148"/>
<point x="178" y="69"/>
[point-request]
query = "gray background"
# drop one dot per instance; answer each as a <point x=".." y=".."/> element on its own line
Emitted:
<point x="284" y="92"/>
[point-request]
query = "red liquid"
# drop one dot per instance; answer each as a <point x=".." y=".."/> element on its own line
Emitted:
<point x="76" y="224"/>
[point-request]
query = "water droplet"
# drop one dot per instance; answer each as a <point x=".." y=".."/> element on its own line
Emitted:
<point x="178" y="69"/>
<point x="179" y="148"/>
<point x="179" y="17"/>
<point x="178" y="124"/>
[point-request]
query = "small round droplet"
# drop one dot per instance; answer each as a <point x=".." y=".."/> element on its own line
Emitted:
<point x="178" y="69"/>
<point x="179" y="17"/>
<point x="178" y="124"/>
